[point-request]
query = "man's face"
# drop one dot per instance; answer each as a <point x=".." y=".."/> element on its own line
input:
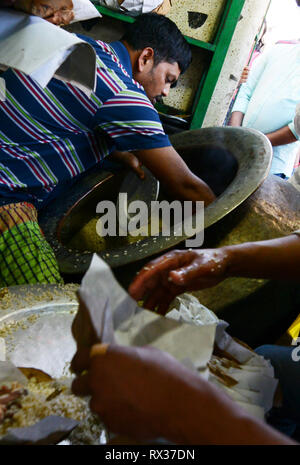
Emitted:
<point x="157" y="80"/>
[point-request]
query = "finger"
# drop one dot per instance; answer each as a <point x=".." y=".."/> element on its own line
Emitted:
<point x="165" y="305"/>
<point x="81" y="360"/>
<point x="139" y="170"/>
<point x="155" y="298"/>
<point x="136" y="166"/>
<point x="80" y="386"/>
<point x="99" y="349"/>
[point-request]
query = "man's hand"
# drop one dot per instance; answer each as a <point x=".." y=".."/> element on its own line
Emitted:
<point x="179" y="271"/>
<point x="176" y="272"/>
<point x="130" y="160"/>
<point x="144" y="393"/>
<point x="178" y="180"/>
<point x="134" y="390"/>
<point x="244" y="75"/>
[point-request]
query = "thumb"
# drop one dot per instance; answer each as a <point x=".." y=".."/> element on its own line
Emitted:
<point x="138" y="169"/>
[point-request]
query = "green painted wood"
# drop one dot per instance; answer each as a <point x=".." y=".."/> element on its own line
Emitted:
<point x="223" y="38"/>
<point x="200" y="43"/>
<point x="114" y="14"/>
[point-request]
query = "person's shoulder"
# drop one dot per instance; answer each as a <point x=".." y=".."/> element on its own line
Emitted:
<point x="87" y="39"/>
<point x="102" y="49"/>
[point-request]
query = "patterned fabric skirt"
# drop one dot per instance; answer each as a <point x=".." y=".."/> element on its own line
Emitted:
<point x="25" y="255"/>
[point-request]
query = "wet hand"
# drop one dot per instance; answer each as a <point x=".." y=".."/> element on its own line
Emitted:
<point x="176" y="272"/>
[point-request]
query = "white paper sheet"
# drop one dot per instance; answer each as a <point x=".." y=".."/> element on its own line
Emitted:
<point x="9" y="373"/>
<point x="2" y="350"/>
<point x="41" y="49"/>
<point x="136" y="326"/>
<point x="83" y="10"/>
<point x="188" y="332"/>
<point x="134" y="7"/>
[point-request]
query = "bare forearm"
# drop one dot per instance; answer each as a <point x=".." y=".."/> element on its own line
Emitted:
<point x="209" y="416"/>
<point x="273" y="259"/>
<point x="282" y="136"/>
<point x="192" y="188"/>
<point x="236" y="119"/>
<point x="171" y="170"/>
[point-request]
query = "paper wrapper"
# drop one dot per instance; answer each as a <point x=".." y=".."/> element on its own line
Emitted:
<point x="83" y="10"/>
<point x="255" y="383"/>
<point x="2" y="350"/>
<point x="134" y="326"/>
<point x="49" y="430"/>
<point x="164" y="8"/>
<point x="189" y="332"/>
<point x="246" y="377"/>
<point x="42" y="50"/>
<point x="10" y="373"/>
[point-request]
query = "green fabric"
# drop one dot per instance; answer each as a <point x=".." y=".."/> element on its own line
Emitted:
<point x="26" y="257"/>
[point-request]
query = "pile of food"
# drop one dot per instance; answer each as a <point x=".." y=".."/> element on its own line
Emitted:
<point x="25" y="404"/>
<point x="87" y="237"/>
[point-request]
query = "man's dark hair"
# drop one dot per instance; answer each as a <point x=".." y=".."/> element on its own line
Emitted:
<point x="161" y="34"/>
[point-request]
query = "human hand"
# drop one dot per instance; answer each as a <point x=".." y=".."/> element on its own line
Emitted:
<point x="92" y="323"/>
<point x="61" y="18"/>
<point x="244" y="75"/>
<point x="176" y="272"/>
<point x="131" y="161"/>
<point x="136" y="391"/>
<point x="143" y="393"/>
<point x="58" y="12"/>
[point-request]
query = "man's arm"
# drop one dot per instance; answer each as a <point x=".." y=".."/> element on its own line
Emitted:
<point x="282" y="136"/>
<point x="272" y="259"/>
<point x="236" y="118"/>
<point x="179" y="271"/>
<point x="145" y="394"/>
<point x="170" y="169"/>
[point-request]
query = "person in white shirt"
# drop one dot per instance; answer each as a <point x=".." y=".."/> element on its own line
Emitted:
<point x="267" y="102"/>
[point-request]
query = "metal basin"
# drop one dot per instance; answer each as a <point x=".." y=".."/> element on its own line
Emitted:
<point x="64" y="216"/>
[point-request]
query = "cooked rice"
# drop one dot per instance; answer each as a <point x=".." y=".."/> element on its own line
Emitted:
<point x="35" y="407"/>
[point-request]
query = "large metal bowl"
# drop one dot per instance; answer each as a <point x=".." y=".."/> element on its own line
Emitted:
<point x="64" y="216"/>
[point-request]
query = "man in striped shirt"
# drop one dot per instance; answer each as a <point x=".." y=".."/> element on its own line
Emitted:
<point x="48" y="137"/>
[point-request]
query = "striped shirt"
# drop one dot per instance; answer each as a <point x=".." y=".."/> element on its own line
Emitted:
<point x="50" y="136"/>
